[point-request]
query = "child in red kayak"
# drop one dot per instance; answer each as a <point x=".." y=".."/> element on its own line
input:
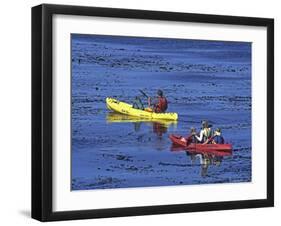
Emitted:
<point x="191" y="139"/>
<point x="217" y="138"/>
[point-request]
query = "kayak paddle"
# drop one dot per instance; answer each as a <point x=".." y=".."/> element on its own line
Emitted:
<point x="143" y="93"/>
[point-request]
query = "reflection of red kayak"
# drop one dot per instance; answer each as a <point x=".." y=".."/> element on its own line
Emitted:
<point x="200" y="147"/>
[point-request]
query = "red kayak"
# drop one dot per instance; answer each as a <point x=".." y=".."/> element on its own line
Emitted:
<point x="200" y="147"/>
<point x="177" y="148"/>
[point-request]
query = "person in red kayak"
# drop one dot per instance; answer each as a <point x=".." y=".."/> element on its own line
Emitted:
<point x="191" y="138"/>
<point x="217" y="138"/>
<point x="159" y="104"/>
<point x="205" y="133"/>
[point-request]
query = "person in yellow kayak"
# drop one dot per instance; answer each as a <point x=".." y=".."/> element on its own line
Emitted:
<point x="159" y="104"/>
<point x="205" y="133"/>
<point x="138" y="103"/>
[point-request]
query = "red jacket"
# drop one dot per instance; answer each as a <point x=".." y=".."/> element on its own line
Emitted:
<point x="161" y="105"/>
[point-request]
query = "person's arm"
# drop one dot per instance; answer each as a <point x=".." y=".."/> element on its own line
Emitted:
<point x="153" y="101"/>
<point x="149" y="101"/>
<point x="201" y="136"/>
<point x="211" y="139"/>
<point x="188" y="138"/>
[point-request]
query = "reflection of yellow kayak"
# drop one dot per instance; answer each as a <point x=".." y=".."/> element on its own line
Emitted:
<point x="127" y="109"/>
<point x="113" y="117"/>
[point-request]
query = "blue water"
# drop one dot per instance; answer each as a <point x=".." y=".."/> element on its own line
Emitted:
<point x="201" y="79"/>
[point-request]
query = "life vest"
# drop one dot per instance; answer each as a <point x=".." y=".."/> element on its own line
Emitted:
<point x="218" y="139"/>
<point x="162" y="105"/>
<point x="207" y="133"/>
<point x="193" y="139"/>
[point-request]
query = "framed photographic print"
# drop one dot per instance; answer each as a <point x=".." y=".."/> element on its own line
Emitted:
<point x="146" y="112"/>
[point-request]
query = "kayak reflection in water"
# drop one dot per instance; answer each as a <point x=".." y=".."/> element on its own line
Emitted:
<point x="205" y="161"/>
<point x="137" y="126"/>
<point x="159" y="129"/>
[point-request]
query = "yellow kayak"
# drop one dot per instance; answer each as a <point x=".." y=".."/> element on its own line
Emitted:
<point x="114" y="117"/>
<point x="127" y="109"/>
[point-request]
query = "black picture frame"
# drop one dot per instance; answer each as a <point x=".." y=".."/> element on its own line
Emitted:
<point x="42" y="111"/>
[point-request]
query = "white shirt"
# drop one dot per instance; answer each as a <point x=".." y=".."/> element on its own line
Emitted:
<point x="200" y="138"/>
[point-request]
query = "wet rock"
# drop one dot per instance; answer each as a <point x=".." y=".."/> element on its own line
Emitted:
<point x="123" y="157"/>
<point x="132" y="168"/>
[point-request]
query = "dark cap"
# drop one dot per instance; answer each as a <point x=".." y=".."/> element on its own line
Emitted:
<point x="160" y="92"/>
<point x="205" y="124"/>
<point x="218" y="130"/>
<point x="192" y="129"/>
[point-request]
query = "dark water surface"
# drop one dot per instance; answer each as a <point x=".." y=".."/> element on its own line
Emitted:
<point x="201" y="79"/>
